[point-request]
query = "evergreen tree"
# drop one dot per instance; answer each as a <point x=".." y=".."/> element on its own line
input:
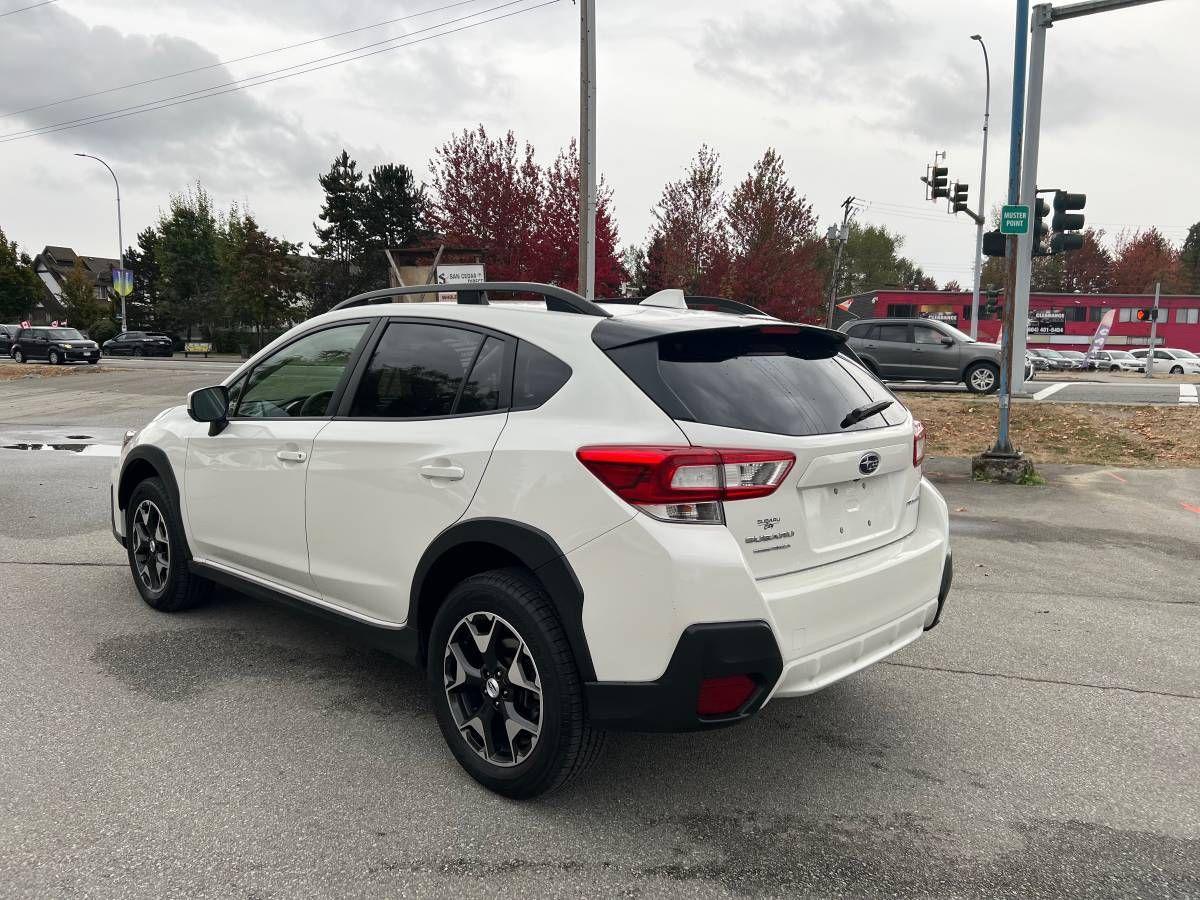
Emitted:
<point x="1189" y="261"/>
<point x="392" y="206"/>
<point x="19" y="284"/>
<point x="341" y="240"/>
<point x="186" y="251"/>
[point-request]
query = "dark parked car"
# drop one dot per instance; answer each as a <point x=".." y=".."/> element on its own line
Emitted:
<point x="55" y="345"/>
<point x="139" y="343"/>
<point x="924" y="350"/>
<point x="1055" y="360"/>
<point x="7" y="334"/>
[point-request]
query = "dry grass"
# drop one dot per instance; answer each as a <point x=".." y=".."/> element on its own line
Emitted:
<point x="16" y="372"/>
<point x="1102" y="434"/>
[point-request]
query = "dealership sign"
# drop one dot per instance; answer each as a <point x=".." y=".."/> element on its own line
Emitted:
<point x="1047" y="321"/>
<point x="467" y="273"/>
<point x="948" y="317"/>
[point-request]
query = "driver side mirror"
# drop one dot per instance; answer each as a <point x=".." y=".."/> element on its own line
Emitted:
<point x="211" y="405"/>
<point x="947" y="342"/>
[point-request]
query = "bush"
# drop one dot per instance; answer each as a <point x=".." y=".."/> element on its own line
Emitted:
<point x="103" y="330"/>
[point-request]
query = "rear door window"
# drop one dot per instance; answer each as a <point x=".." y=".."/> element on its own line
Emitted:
<point x="896" y="334"/>
<point x="420" y="371"/>
<point x="793" y="383"/>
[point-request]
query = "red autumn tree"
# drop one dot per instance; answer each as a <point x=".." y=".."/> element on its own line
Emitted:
<point x="1143" y="258"/>
<point x="487" y="192"/>
<point x="688" y="236"/>
<point x="556" y="252"/>
<point x="775" y="252"/>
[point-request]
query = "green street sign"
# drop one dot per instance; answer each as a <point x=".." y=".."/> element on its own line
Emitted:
<point x="1014" y="220"/>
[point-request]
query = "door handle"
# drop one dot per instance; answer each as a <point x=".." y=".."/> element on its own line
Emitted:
<point x="291" y="455"/>
<point x="450" y="473"/>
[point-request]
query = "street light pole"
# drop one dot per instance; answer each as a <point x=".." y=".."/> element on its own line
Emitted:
<point x="120" y="236"/>
<point x="987" y="109"/>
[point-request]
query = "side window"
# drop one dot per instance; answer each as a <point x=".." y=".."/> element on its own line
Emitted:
<point x="1162" y="354"/>
<point x="537" y="377"/>
<point x="417" y="371"/>
<point x="300" y="379"/>
<point x="896" y="334"/>
<point x="481" y="393"/>
<point x="926" y="334"/>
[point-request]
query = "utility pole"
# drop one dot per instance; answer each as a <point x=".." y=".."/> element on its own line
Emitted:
<point x="843" y="235"/>
<point x="1153" y="331"/>
<point x="120" y="236"/>
<point x="987" y="109"/>
<point x="587" y="148"/>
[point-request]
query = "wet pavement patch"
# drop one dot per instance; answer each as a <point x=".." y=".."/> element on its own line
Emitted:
<point x="81" y="448"/>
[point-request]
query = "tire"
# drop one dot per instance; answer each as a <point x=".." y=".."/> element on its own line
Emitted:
<point x="137" y="351"/>
<point x="982" y="378"/>
<point x="18" y="355"/>
<point x="507" y="607"/>
<point x="1114" y="368"/>
<point x="1176" y="370"/>
<point x="150" y="518"/>
<point x="92" y="362"/>
<point x="53" y="358"/>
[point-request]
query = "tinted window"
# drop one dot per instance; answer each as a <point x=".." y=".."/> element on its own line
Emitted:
<point x="63" y="334"/>
<point x="896" y="334"/>
<point x="792" y="384"/>
<point x="481" y="393"/>
<point x="859" y="331"/>
<point x="300" y="379"/>
<point x="925" y="334"/>
<point x="538" y="376"/>
<point x="417" y="370"/>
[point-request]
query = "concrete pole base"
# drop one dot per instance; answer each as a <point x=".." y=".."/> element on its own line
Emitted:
<point x="1005" y="468"/>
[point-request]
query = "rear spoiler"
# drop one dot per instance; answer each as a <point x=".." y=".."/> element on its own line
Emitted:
<point x="623" y="331"/>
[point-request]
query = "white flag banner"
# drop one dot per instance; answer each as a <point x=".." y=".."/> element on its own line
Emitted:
<point x="1101" y="334"/>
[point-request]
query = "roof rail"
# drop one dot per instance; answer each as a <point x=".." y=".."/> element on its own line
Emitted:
<point x="475" y="294"/>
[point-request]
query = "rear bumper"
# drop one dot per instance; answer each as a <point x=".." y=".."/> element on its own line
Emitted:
<point x="669" y="703"/>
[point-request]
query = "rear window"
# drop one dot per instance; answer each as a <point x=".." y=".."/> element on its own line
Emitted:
<point x="794" y="383"/>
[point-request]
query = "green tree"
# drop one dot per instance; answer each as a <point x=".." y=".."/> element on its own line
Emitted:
<point x="260" y="276"/>
<point x="1189" y="260"/>
<point x="340" y="241"/>
<point x="871" y="261"/>
<point x="19" y="284"/>
<point x="392" y="205"/>
<point x="145" y="306"/>
<point x="80" y="306"/>
<point x="187" y="253"/>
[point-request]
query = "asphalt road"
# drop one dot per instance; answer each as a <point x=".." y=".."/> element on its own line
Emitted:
<point x="1044" y="739"/>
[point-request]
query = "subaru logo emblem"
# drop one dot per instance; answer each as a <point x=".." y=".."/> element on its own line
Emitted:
<point x="869" y="463"/>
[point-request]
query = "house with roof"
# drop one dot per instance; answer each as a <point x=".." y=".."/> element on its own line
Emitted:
<point x="53" y="265"/>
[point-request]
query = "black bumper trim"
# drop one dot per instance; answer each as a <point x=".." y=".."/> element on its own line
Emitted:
<point x="944" y="590"/>
<point x="112" y="517"/>
<point x="669" y="703"/>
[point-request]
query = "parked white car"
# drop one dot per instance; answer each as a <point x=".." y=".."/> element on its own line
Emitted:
<point x="1117" y="361"/>
<point x="575" y="517"/>
<point x="1171" y="361"/>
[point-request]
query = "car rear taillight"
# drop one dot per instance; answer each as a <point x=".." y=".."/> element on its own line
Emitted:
<point x="918" y="443"/>
<point x="686" y="484"/>
<point x="724" y="696"/>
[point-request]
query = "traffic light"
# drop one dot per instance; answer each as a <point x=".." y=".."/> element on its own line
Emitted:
<point x="939" y="179"/>
<point x="958" y="198"/>
<point x="1066" y="221"/>
<point x="994" y="244"/>
<point x="1147" y="315"/>
<point x="992" y="302"/>
<point x="1040" y="229"/>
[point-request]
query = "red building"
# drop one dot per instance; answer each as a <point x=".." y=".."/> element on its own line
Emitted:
<point x="1063" y="321"/>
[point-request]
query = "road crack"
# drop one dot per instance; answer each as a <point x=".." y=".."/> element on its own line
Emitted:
<point x="1030" y="678"/>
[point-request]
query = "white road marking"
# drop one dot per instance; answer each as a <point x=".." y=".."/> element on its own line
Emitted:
<point x="1187" y="394"/>
<point x="1049" y="391"/>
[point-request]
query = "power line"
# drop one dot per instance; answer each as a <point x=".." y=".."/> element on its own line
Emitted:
<point x="261" y="79"/>
<point x="230" y="62"/>
<point x="13" y="12"/>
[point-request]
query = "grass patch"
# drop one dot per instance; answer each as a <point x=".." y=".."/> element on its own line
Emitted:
<point x="1102" y="434"/>
<point x="16" y="372"/>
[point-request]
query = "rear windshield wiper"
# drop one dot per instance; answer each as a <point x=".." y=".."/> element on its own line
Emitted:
<point x="865" y="412"/>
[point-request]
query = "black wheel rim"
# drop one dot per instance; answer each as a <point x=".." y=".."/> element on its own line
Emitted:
<point x="151" y="546"/>
<point x="493" y="688"/>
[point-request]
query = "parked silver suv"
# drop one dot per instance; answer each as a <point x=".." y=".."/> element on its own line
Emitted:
<point x="924" y="350"/>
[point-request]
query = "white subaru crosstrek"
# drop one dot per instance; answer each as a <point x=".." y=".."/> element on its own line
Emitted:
<point x="576" y="517"/>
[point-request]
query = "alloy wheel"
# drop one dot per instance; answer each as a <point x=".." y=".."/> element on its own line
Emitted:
<point x="53" y="358"/>
<point x="493" y="688"/>
<point x="151" y="546"/>
<point x="982" y="379"/>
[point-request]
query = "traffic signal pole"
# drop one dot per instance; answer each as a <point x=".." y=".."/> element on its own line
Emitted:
<point x="1153" y="332"/>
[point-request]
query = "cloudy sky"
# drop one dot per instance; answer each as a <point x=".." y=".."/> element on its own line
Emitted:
<point x="855" y="94"/>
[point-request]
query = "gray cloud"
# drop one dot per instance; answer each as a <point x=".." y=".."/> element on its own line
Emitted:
<point x="57" y="55"/>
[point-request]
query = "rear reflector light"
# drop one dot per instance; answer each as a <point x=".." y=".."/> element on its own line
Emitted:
<point x="686" y="483"/>
<point x="918" y="443"/>
<point x="723" y="696"/>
